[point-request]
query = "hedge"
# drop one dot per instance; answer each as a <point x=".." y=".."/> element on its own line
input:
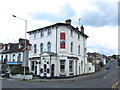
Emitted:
<point x="19" y="70"/>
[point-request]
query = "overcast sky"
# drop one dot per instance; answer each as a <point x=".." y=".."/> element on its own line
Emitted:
<point x="100" y="20"/>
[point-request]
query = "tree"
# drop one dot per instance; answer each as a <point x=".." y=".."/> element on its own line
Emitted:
<point x="114" y="56"/>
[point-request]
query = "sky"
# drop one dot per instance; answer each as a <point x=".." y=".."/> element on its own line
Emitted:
<point x="100" y="20"/>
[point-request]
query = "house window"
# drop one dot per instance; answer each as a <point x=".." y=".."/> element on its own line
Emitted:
<point x="62" y="65"/>
<point x="71" y="32"/>
<point x="48" y="70"/>
<point x="35" y="35"/>
<point x="89" y="68"/>
<point x="70" y="66"/>
<point x="32" y="65"/>
<point x="6" y="58"/>
<point x="19" y="57"/>
<point x="2" y="58"/>
<point x="41" y="33"/>
<point x="41" y="48"/>
<point x="49" y="47"/>
<point x="78" y="36"/>
<point x="71" y="47"/>
<point x="41" y="70"/>
<point x="13" y="57"/>
<point x="49" y="31"/>
<point x="78" y="49"/>
<point x="35" y="48"/>
<point x="45" y="68"/>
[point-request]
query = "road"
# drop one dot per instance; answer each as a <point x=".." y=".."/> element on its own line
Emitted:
<point x="104" y="79"/>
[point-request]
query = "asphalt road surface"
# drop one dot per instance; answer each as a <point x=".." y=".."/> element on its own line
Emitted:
<point x="104" y="79"/>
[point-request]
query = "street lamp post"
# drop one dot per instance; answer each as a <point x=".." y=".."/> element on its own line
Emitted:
<point x="25" y="41"/>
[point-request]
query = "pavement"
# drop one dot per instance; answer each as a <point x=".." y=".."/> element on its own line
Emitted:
<point x="81" y="77"/>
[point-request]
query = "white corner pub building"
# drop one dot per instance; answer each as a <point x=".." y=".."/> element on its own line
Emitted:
<point x="58" y="50"/>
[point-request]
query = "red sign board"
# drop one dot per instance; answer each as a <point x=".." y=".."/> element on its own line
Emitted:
<point x="62" y="40"/>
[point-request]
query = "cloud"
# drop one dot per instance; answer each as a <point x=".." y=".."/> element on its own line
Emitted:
<point x="65" y="12"/>
<point x="102" y="39"/>
<point x="104" y="14"/>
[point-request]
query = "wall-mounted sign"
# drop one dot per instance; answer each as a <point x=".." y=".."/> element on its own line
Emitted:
<point x="62" y="40"/>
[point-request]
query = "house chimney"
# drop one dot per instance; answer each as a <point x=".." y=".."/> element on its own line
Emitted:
<point x="82" y="29"/>
<point x="68" y="21"/>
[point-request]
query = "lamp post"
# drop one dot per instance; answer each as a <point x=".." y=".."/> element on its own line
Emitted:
<point x="25" y="42"/>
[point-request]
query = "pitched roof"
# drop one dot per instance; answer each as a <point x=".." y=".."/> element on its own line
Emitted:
<point x="14" y="47"/>
<point x="50" y="53"/>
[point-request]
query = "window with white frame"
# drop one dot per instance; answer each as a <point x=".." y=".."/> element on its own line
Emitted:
<point x="78" y="49"/>
<point x="35" y="35"/>
<point x="71" y="47"/>
<point x="35" y="48"/>
<point x="13" y="57"/>
<point x="49" y="32"/>
<point x="42" y="33"/>
<point x="6" y="58"/>
<point x="19" y="57"/>
<point x="2" y="58"/>
<point x="41" y="48"/>
<point x="62" y="65"/>
<point x="70" y="66"/>
<point x="78" y="36"/>
<point x="45" y="68"/>
<point x="49" y="47"/>
<point x="71" y="33"/>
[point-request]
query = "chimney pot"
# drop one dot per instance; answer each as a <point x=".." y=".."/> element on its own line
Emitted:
<point x="68" y="21"/>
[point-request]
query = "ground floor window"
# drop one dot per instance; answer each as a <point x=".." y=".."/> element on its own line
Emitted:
<point x="45" y="67"/>
<point x="89" y="68"/>
<point x="70" y="66"/>
<point x="62" y="65"/>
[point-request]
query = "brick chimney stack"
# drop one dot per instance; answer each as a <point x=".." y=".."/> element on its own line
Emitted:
<point x="82" y="29"/>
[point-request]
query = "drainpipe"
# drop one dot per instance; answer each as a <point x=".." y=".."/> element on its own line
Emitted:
<point x="56" y="39"/>
<point x="82" y="30"/>
<point x="50" y="67"/>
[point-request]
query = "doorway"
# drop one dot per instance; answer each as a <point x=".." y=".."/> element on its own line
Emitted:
<point x="35" y="70"/>
<point x="52" y="70"/>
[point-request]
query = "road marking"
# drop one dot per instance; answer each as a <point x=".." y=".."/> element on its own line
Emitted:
<point x="104" y="76"/>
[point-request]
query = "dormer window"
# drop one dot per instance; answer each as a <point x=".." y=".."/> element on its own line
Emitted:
<point x="19" y="46"/>
<point x="6" y="47"/>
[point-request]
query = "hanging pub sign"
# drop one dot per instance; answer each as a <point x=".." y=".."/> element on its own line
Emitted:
<point x="62" y="40"/>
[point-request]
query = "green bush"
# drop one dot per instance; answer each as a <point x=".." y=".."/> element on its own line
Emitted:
<point x="19" y="70"/>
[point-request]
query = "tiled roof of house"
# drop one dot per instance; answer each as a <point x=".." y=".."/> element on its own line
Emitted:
<point x="14" y="47"/>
